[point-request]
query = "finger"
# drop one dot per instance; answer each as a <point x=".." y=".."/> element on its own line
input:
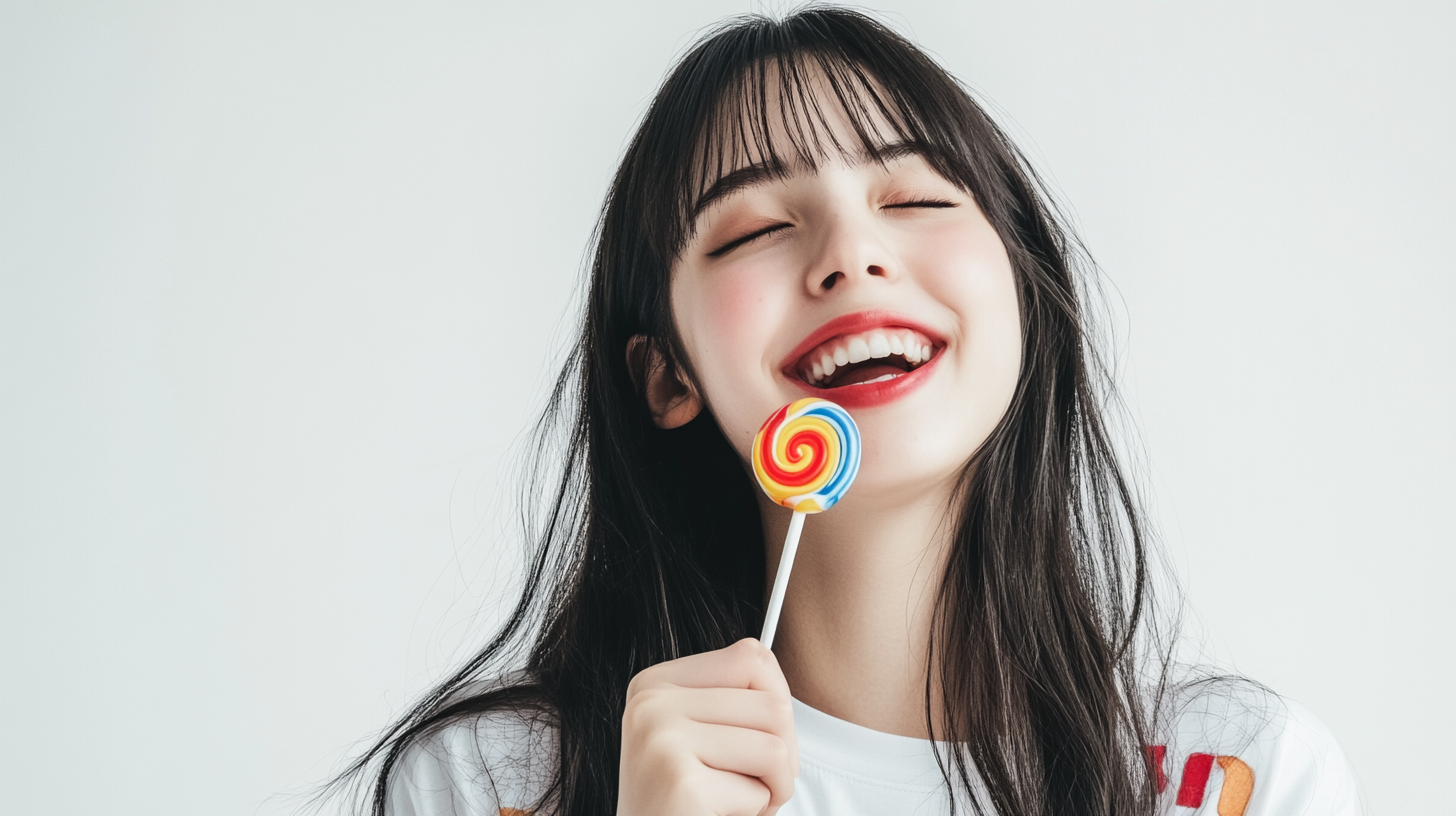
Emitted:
<point x="655" y="710"/>
<point x="746" y="664"/>
<point x="733" y="794"/>
<point x="766" y="711"/>
<point x="744" y="708"/>
<point x="748" y="752"/>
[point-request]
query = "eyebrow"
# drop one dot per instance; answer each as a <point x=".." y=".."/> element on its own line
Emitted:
<point x="764" y="172"/>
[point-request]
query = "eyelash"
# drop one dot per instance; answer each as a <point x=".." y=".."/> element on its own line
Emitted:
<point x="930" y="203"/>
<point x="752" y="236"/>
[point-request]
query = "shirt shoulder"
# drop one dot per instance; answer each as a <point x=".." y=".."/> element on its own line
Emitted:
<point x="500" y="763"/>
<point x="1237" y="749"/>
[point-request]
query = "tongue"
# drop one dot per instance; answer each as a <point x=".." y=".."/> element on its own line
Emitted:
<point x="864" y="372"/>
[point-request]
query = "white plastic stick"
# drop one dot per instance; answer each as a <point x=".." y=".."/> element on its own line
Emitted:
<point x="781" y="579"/>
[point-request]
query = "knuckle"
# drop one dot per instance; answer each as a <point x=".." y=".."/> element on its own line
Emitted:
<point x="781" y="708"/>
<point x="788" y="789"/>
<point x="645" y="698"/>
<point x="766" y="662"/>
<point x="690" y="789"/>
<point x="653" y="700"/>
<point x="666" y="745"/>
<point x="641" y="681"/>
<point x="636" y="687"/>
<point x="631" y="718"/>
<point x="766" y="796"/>
<point x="752" y="654"/>
<point x="641" y="712"/>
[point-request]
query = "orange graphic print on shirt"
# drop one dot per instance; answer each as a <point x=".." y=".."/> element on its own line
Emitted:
<point x="1234" y="794"/>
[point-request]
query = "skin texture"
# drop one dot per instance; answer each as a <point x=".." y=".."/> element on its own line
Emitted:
<point x="848" y="237"/>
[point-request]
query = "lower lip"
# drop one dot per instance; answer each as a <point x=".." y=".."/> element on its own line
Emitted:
<point x="869" y="395"/>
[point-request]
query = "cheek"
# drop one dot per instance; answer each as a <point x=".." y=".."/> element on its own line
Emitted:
<point x="732" y="309"/>
<point x="726" y="323"/>
<point x="974" y="278"/>
<point x="970" y="273"/>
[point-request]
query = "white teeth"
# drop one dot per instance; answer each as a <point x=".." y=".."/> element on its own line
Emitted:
<point x="874" y="344"/>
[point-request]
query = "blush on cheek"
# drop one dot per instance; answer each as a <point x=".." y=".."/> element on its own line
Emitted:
<point x="733" y="315"/>
<point x="726" y="321"/>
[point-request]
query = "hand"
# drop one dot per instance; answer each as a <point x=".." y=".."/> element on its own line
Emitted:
<point x="709" y="735"/>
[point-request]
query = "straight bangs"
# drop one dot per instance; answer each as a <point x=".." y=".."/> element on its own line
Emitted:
<point x="778" y="117"/>
<point x="785" y="99"/>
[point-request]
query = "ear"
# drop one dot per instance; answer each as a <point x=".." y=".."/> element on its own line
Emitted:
<point x="673" y="401"/>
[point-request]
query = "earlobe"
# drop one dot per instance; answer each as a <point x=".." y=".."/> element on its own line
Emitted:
<point x="673" y="400"/>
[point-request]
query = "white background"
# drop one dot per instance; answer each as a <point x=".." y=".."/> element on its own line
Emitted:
<point x="282" y="283"/>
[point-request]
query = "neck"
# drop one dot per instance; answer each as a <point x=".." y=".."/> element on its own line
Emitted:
<point x="855" y="629"/>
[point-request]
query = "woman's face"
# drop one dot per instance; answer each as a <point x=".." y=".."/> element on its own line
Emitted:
<point x="881" y="287"/>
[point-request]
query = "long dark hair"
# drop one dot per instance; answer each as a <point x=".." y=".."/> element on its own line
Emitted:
<point x="650" y="546"/>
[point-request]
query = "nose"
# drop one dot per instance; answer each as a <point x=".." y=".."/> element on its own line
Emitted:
<point x="851" y="253"/>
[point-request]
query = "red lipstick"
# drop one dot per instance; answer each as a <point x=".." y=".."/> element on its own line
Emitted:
<point x="858" y="394"/>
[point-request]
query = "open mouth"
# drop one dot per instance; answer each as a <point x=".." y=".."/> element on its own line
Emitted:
<point x="873" y="356"/>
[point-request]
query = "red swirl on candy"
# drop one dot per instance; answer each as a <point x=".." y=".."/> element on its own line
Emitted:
<point x="807" y="454"/>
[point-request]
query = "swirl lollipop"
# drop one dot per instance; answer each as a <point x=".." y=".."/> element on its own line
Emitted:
<point x="805" y="457"/>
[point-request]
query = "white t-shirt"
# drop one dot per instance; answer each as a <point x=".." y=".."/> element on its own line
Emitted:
<point x="1224" y="757"/>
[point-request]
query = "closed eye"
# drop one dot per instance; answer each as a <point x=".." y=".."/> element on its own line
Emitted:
<point x="752" y="236"/>
<point x="933" y="203"/>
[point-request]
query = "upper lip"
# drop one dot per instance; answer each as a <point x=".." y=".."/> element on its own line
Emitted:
<point x="854" y="324"/>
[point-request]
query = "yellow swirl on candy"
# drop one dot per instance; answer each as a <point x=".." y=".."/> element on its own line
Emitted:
<point x="807" y="454"/>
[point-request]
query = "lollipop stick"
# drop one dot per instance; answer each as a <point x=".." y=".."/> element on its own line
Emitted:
<point x="781" y="579"/>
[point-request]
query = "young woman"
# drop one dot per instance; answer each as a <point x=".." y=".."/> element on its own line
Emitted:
<point x="812" y="207"/>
